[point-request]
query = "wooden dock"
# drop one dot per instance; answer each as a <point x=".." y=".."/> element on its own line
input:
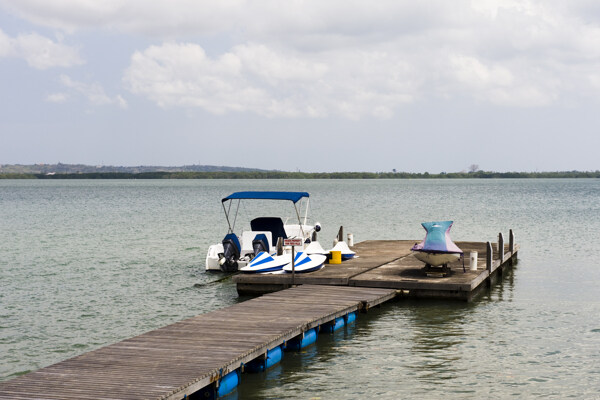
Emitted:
<point x="182" y="358"/>
<point x="390" y="264"/>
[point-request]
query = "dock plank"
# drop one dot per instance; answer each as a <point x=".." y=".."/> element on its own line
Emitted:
<point x="390" y="264"/>
<point x="371" y="254"/>
<point x="179" y="359"/>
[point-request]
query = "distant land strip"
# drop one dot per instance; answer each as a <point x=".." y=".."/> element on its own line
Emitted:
<point x="60" y="168"/>
<point x="300" y="175"/>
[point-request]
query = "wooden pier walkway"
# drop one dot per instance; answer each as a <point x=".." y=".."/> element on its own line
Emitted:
<point x="182" y="358"/>
<point x="390" y="264"/>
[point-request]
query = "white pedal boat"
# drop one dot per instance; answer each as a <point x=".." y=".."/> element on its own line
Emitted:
<point x="306" y="263"/>
<point x="344" y="249"/>
<point x="265" y="262"/>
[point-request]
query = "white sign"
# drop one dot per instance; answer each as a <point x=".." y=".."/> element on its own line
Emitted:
<point x="293" y="242"/>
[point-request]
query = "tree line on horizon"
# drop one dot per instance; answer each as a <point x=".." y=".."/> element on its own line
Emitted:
<point x="305" y="175"/>
<point x="61" y="168"/>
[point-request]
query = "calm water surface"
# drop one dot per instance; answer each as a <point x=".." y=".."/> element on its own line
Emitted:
<point x="88" y="263"/>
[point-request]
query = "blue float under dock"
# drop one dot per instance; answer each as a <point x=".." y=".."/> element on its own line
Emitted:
<point x="197" y="353"/>
<point x="206" y="353"/>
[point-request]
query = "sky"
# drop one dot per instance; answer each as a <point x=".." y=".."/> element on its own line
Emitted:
<point x="302" y="85"/>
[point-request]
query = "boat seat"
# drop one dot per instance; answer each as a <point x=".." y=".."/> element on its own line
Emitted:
<point x="270" y="224"/>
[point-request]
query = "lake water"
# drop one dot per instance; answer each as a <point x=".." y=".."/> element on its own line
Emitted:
<point x="87" y="263"/>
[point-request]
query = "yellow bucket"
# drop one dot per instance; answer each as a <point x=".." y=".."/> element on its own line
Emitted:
<point x="336" y="257"/>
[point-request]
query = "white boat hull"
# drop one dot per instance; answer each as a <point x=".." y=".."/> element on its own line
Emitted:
<point x="212" y="256"/>
<point x="315" y="248"/>
<point x="265" y="262"/>
<point x="344" y="249"/>
<point x="306" y="263"/>
<point x="436" y="259"/>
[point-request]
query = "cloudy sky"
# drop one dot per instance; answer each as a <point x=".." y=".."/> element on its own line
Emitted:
<point x="311" y="85"/>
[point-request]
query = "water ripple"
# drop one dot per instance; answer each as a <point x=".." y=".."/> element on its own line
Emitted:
<point x="89" y="263"/>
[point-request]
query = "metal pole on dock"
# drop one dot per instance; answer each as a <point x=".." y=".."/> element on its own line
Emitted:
<point x="489" y="261"/>
<point x="489" y="257"/>
<point x="293" y="242"/>
<point x="293" y="268"/>
<point x="501" y="247"/>
<point x="511" y="247"/>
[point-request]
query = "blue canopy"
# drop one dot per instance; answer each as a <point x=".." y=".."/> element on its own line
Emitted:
<point x="292" y="196"/>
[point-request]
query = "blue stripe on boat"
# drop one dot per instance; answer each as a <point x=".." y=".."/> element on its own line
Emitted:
<point x="264" y="259"/>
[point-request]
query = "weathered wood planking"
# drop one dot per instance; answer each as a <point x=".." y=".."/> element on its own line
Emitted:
<point x="390" y="264"/>
<point x="407" y="274"/>
<point x="181" y="358"/>
<point x="372" y="254"/>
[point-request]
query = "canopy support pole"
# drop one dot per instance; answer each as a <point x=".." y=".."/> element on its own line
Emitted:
<point x="306" y="211"/>
<point x="299" y="220"/>
<point x="227" y="216"/>
<point x="236" y="214"/>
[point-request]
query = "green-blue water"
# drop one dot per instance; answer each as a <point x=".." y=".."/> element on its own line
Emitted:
<point x="88" y="263"/>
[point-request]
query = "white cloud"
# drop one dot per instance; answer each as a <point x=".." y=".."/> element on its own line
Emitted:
<point x="183" y="75"/>
<point x="93" y="92"/>
<point x="39" y="51"/>
<point x="5" y="44"/>
<point x="57" y="97"/>
<point x="139" y="16"/>
<point x="474" y="73"/>
<point x="350" y="58"/>
<point x="43" y="53"/>
<point x="499" y="85"/>
<point x="255" y="78"/>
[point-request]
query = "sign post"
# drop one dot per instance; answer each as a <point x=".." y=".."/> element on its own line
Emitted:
<point x="293" y="242"/>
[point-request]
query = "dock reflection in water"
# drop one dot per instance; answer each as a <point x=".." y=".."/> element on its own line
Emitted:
<point x="68" y="246"/>
<point x="436" y="340"/>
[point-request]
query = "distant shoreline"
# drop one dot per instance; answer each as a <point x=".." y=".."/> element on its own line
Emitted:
<point x="303" y="175"/>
